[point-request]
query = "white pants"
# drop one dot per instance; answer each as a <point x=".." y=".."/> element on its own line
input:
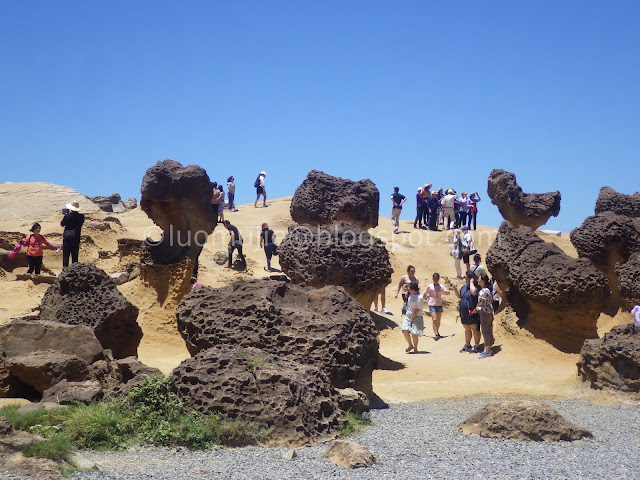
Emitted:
<point x="395" y="218"/>
<point x="449" y="216"/>
<point x="456" y="262"/>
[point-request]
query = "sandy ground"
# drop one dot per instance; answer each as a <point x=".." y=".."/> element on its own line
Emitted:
<point x="523" y="365"/>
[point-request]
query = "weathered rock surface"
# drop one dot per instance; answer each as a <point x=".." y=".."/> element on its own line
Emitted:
<point x="178" y="200"/>
<point x="611" y="201"/>
<point x="323" y="199"/>
<point x="519" y="208"/>
<point x="352" y="400"/>
<point x="556" y="297"/>
<point x="65" y="392"/>
<point x="628" y="275"/>
<point x="86" y="295"/>
<point x="114" y="203"/>
<point x="44" y="368"/>
<point x="296" y="401"/>
<point x="339" y="254"/>
<point x="322" y="327"/>
<point x="350" y="454"/>
<point x="613" y="362"/>
<point x="522" y="420"/>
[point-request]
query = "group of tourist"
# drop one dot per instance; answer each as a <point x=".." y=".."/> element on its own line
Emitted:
<point x="218" y="203"/>
<point x="437" y="207"/>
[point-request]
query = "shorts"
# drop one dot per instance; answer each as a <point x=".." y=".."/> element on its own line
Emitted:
<point x="259" y="190"/>
<point x="434" y="308"/>
<point x="467" y="319"/>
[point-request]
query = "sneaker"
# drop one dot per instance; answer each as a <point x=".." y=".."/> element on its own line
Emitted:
<point x="476" y="349"/>
<point x="466" y="349"/>
<point x="375" y="309"/>
<point x="485" y="354"/>
<point x="438" y="336"/>
<point x="384" y="310"/>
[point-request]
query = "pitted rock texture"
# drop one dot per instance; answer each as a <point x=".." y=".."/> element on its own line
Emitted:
<point x="323" y="327"/>
<point x="45" y="368"/>
<point x="556" y="297"/>
<point x="339" y="254"/>
<point x="323" y="199"/>
<point x="522" y="420"/>
<point x="178" y="200"/>
<point x="296" y="401"/>
<point x="628" y="274"/>
<point x="85" y="295"/>
<point x="517" y="207"/>
<point x="613" y="362"/>
<point x="611" y="201"/>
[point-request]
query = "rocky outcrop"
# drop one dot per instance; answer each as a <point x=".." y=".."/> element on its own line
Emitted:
<point x="85" y="295"/>
<point x="322" y="327"/>
<point x="613" y="362"/>
<point x="517" y="207"/>
<point x="45" y="368"/>
<point x="522" y="420"/>
<point x="628" y="275"/>
<point x="65" y="392"/>
<point x="611" y="201"/>
<point x="178" y="200"/>
<point x="297" y="402"/>
<point x="348" y="454"/>
<point x="322" y="199"/>
<point x="113" y="203"/>
<point x="339" y="254"/>
<point x="556" y="297"/>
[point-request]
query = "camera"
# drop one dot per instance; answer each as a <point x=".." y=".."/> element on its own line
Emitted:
<point x="65" y="211"/>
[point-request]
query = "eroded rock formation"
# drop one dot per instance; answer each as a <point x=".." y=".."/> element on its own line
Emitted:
<point x="323" y="327"/>
<point x="322" y="199"/>
<point x="517" y="207"/>
<point x="296" y="401"/>
<point x="556" y="297"/>
<point x="339" y="254"/>
<point x="611" y="201"/>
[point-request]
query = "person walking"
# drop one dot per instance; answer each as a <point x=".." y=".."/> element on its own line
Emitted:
<point x="404" y="283"/>
<point x="419" y="209"/>
<point x="260" y="189"/>
<point x="413" y="323"/>
<point x="485" y="309"/>
<point x="35" y="243"/>
<point x="382" y="294"/>
<point x="268" y="241"/>
<point x="231" y="193"/>
<point x="235" y="243"/>
<point x="473" y="209"/>
<point x="433" y="293"/>
<point x="72" y="223"/>
<point x="468" y="295"/>
<point x="397" y="199"/>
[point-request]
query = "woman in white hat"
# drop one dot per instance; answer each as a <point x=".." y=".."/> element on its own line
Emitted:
<point x="72" y="223"/>
<point x="260" y="189"/>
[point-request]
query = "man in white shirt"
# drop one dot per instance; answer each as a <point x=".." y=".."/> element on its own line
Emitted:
<point x="447" y="206"/>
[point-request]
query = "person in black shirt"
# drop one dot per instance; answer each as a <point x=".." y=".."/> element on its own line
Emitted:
<point x="468" y="296"/>
<point x="268" y="241"/>
<point x="72" y="223"/>
<point x="397" y="199"/>
<point x="235" y="242"/>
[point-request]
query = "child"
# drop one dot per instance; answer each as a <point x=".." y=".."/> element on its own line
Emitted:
<point x="35" y="245"/>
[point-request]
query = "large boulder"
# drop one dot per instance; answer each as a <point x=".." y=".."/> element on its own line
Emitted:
<point x="517" y="207"/>
<point x="45" y="368"/>
<point x="323" y="327"/>
<point x="556" y="297"/>
<point x="628" y="275"/>
<point x="323" y="199"/>
<point x="339" y="254"/>
<point x="85" y="295"/>
<point x="178" y="200"/>
<point x="297" y="402"/>
<point x="522" y="420"/>
<point x="350" y="454"/>
<point x="613" y="362"/>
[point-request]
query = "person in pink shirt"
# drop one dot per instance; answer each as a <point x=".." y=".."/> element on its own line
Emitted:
<point x="434" y="294"/>
<point x="35" y="244"/>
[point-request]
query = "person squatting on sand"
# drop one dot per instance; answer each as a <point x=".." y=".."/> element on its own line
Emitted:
<point x="72" y="223"/>
<point x="260" y="189"/>
<point x="413" y="323"/>
<point x="397" y="199"/>
<point x="485" y="309"/>
<point x="268" y="241"/>
<point x="405" y="281"/>
<point x="235" y="242"/>
<point x="434" y="292"/>
<point x="35" y="243"/>
<point x="382" y="294"/>
<point x="468" y="295"/>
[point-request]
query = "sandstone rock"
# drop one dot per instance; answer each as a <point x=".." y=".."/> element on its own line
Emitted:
<point x="340" y="254"/>
<point x="530" y="209"/>
<point x="556" y="297"/>
<point x="628" y="275"/>
<point x="323" y="327"/>
<point x="35" y="407"/>
<point x="323" y="199"/>
<point x="178" y="200"/>
<point x="613" y="362"/>
<point x="44" y="368"/>
<point x="65" y="392"/>
<point x="131" y="368"/>
<point x="130" y="204"/>
<point x="221" y="257"/>
<point x="522" y="420"/>
<point x="351" y="400"/>
<point x="115" y="198"/>
<point x="5" y="426"/>
<point x="350" y="454"/>
<point x="611" y="201"/>
<point x="119" y="278"/>
<point x="296" y="401"/>
<point x="85" y="295"/>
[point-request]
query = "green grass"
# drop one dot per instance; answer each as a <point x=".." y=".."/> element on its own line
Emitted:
<point x="356" y="423"/>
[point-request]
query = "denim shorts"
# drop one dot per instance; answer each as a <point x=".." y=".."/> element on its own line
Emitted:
<point x="435" y="309"/>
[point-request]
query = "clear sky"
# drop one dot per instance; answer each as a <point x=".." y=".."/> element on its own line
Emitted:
<point x="402" y="92"/>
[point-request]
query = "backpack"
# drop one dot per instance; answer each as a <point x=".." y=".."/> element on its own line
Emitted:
<point x="257" y="182"/>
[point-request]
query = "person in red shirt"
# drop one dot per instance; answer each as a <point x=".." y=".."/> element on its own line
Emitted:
<point x="35" y="244"/>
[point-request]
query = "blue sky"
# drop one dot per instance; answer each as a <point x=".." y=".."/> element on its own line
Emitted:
<point x="402" y="92"/>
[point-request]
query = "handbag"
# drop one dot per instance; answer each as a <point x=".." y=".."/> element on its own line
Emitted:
<point x="14" y="253"/>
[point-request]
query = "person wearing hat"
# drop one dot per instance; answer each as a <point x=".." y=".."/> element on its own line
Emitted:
<point x="426" y="195"/>
<point x="268" y="241"/>
<point x="432" y="206"/>
<point x="35" y="244"/>
<point x="448" y="206"/>
<point x="417" y="223"/>
<point x="260" y="189"/>
<point x="72" y="223"/>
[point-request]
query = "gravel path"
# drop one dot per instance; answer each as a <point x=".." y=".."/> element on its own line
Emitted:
<point x="409" y="441"/>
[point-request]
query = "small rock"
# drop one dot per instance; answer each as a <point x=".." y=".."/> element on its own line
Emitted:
<point x="120" y="277"/>
<point x="80" y="461"/>
<point x="350" y="454"/>
<point x="290" y="455"/>
<point x="221" y="257"/>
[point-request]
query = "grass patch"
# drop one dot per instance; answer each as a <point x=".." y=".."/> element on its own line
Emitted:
<point x="57" y="447"/>
<point x="356" y="423"/>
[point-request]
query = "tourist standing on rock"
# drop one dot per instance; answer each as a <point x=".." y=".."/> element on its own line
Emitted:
<point x="464" y="203"/>
<point x="35" y="243"/>
<point x="468" y="295"/>
<point x="405" y="281"/>
<point x="268" y="241"/>
<point x="448" y="202"/>
<point x="419" y="210"/>
<point x="231" y="194"/>
<point x="456" y="251"/>
<point x="221" y="205"/>
<point x="413" y="323"/>
<point x="485" y="309"/>
<point x="260" y="189"/>
<point x="397" y="199"/>
<point x="72" y="223"/>
<point x="215" y="204"/>
<point x="433" y="293"/>
<point x="235" y="243"/>
<point x="473" y="209"/>
<point x="468" y="248"/>
<point x="426" y="195"/>
<point x="432" y="206"/>
<point x="382" y="293"/>
<point x="476" y="268"/>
